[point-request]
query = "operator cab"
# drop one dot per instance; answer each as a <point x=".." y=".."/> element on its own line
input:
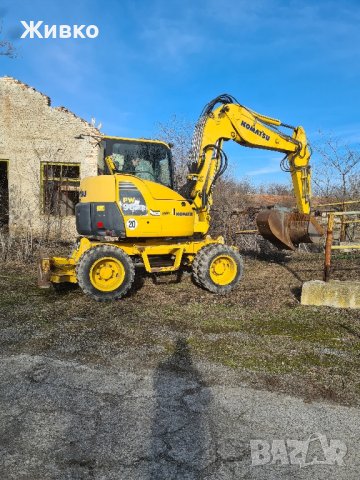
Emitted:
<point x="145" y="159"/>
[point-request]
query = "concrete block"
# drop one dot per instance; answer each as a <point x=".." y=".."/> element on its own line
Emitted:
<point x="340" y="294"/>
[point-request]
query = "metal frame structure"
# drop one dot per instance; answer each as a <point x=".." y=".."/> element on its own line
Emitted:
<point x="330" y="237"/>
<point x="343" y="206"/>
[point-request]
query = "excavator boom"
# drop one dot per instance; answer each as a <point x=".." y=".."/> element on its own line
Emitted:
<point x="233" y="121"/>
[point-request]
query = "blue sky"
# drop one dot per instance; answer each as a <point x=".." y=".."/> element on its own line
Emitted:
<point x="295" y="60"/>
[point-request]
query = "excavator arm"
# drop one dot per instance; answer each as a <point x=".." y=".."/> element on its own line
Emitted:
<point x="232" y="121"/>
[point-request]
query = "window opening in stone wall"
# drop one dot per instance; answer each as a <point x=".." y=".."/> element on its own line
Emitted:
<point x="60" y="188"/>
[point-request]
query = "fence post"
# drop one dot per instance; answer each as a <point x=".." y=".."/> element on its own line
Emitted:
<point x="328" y="244"/>
<point x="343" y="224"/>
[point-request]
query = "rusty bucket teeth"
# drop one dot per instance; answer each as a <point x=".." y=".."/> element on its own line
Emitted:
<point x="286" y="230"/>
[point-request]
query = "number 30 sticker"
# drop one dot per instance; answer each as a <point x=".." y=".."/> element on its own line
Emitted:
<point x="131" y="224"/>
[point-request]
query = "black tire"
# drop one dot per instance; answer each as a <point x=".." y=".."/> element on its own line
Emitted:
<point x="203" y="264"/>
<point x="93" y="260"/>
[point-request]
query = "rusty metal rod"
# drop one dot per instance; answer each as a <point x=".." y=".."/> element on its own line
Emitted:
<point x="246" y="232"/>
<point x="328" y="245"/>
<point x="348" y="246"/>
<point x="337" y="203"/>
<point x="343" y="226"/>
<point x="350" y="212"/>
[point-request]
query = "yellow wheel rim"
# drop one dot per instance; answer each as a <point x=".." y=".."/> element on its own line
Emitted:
<point x="223" y="270"/>
<point x="107" y="274"/>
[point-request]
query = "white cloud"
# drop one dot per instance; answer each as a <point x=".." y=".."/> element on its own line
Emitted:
<point x="273" y="166"/>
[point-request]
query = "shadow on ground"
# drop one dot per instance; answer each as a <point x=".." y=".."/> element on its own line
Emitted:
<point x="181" y="437"/>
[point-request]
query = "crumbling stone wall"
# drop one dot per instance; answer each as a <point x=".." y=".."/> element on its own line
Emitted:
<point x="32" y="132"/>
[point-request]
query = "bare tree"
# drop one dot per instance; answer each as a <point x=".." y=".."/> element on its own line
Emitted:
<point x="337" y="176"/>
<point x="354" y="185"/>
<point x="7" y="48"/>
<point x="178" y="132"/>
<point x="337" y="170"/>
<point x="274" y="188"/>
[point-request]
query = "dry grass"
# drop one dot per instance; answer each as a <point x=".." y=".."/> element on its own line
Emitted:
<point x="24" y="248"/>
<point x="260" y="330"/>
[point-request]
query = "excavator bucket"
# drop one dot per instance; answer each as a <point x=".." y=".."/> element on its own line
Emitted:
<point x="286" y="230"/>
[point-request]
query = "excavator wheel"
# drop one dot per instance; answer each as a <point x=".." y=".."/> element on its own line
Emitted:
<point x="217" y="268"/>
<point x="105" y="273"/>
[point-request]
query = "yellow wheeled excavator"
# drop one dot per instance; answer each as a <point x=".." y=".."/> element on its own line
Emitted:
<point x="132" y="220"/>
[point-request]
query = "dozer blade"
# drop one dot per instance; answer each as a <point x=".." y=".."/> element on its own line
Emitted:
<point x="287" y="230"/>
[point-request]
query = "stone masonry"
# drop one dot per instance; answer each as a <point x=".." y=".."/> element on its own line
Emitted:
<point x="33" y="132"/>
